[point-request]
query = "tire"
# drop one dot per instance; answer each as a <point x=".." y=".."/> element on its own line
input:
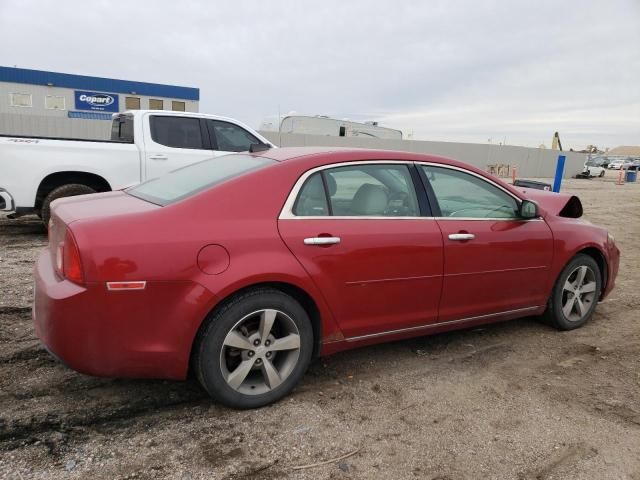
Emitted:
<point x="69" y="190"/>
<point x="601" y="174"/>
<point x="561" y="301"/>
<point x="216" y="363"/>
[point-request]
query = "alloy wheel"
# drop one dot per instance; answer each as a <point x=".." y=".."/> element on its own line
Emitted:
<point x="578" y="293"/>
<point x="260" y="352"/>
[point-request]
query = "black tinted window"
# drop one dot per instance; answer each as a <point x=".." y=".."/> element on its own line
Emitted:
<point x="230" y="137"/>
<point x="176" y="132"/>
<point x="122" y="129"/>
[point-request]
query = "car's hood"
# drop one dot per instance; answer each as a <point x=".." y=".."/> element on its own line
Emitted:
<point x="558" y="204"/>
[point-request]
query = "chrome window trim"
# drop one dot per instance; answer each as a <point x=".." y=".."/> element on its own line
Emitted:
<point x="287" y="210"/>
<point x="463" y="170"/>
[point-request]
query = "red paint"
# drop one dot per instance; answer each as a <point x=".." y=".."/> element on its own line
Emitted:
<point x="213" y="259"/>
<point x="505" y="267"/>
<point x="385" y="275"/>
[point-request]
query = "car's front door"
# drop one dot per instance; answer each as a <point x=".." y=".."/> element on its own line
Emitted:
<point x="359" y="232"/>
<point x="494" y="261"/>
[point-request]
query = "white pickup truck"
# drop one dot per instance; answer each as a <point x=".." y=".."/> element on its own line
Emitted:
<point x="144" y="144"/>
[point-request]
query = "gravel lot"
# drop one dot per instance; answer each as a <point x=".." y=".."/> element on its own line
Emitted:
<point x="516" y="400"/>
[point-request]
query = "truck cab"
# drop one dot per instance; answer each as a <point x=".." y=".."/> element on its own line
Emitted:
<point x="144" y="144"/>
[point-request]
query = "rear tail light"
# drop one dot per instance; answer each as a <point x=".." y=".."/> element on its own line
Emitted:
<point x="68" y="261"/>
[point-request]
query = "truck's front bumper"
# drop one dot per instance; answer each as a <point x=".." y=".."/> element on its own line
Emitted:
<point x="6" y="201"/>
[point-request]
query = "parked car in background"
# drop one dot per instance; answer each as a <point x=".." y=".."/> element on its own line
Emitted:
<point x="594" y="168"/>
<point x="244" y="267"/>
<point x="144" y="144"/>
<point x="620" y="164"/>
<point x="635" y="165"/>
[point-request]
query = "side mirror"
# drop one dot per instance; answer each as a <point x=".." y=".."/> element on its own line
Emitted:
<point x="529" y="209"/>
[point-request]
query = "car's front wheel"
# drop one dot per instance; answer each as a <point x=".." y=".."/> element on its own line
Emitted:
<point x="575" y="294"/>
<point x="602" y="174"/>
<point x="254" y="350"/>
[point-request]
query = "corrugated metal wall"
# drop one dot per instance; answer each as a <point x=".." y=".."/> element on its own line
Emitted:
<point x="529" y="162"/>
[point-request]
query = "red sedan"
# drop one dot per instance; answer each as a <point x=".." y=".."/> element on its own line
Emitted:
<point x="244" y="267"/>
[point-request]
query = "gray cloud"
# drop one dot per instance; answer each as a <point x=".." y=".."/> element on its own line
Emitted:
<point x="448" y="70"/>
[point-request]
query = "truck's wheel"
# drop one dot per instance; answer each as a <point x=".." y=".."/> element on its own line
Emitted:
<point x="70" y="190"/>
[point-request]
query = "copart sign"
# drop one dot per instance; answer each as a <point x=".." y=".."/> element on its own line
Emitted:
<point x="101" y="102"/>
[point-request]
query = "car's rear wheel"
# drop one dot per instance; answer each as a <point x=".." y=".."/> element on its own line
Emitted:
<point x="254" y="350"/>
<point x="602" y="174"/>
<point x="575" y="294"/>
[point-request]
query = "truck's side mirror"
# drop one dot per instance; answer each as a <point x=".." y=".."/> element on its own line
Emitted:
<point x="529" y="209"/>
<point x="258" y="147"/>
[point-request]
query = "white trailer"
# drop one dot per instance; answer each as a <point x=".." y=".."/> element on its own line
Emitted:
<point x="323" y="125"/>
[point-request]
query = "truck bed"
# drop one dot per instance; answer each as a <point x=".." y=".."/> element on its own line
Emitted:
<point x="71" y="139"/>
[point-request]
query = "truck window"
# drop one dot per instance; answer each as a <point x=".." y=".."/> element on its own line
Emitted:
<point x="122" y="129"/>
<point x="176" y="132"/>
<point x="230" y="137"/>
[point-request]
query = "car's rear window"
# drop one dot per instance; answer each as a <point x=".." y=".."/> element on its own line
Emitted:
<point x="188" y="181"/>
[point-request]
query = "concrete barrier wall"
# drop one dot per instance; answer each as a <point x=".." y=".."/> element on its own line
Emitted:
<point x="528" y="162"/>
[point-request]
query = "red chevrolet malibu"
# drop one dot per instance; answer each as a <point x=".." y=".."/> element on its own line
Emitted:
<point x="246" y="266"/>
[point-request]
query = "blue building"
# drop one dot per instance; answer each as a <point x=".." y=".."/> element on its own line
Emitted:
<point x="36" y="102"/>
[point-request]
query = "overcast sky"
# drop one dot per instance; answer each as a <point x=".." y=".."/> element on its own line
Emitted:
<point x="440" y="70"/>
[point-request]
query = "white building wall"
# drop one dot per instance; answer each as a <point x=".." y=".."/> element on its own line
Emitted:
<point x="40" y="121"/>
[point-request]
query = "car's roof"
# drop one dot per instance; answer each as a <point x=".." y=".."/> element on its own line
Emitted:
<point x="327" y="155"/>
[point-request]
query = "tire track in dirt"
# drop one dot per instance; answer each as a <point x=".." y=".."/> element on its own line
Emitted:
<point x="13" y="433"/>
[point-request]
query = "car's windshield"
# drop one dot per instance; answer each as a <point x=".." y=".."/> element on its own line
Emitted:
<point x="187" y="181"/>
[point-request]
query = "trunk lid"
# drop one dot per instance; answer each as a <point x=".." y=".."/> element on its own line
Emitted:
<point x="65" y="211"/>
<point x="99" y="205"/>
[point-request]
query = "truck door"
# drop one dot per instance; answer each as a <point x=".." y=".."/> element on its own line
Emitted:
<point x="172" y="142"/>
<point x="228" y="137"/>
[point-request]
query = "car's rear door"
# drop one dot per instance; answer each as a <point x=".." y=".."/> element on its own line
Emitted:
<point x="363" y="234"/>
<point x="494" y="261"/>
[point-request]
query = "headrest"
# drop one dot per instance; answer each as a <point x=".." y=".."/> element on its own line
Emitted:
<point x="370" y="200"/>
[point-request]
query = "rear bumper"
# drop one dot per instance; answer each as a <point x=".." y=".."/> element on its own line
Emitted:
<point x="6" y="201"/>
<point x="135" y="334"/>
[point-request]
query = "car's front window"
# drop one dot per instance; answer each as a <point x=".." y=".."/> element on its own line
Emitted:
<point x="188" y="181"/>
<point x="463" y="195"/>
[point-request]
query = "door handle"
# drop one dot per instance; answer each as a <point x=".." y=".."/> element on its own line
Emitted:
<point x="461" y="236"/>
<point x="321" y="240"/>
<point x="158" y="157"/>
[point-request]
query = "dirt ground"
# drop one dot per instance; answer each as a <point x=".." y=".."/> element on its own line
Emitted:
<point x="516" y="400"/>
